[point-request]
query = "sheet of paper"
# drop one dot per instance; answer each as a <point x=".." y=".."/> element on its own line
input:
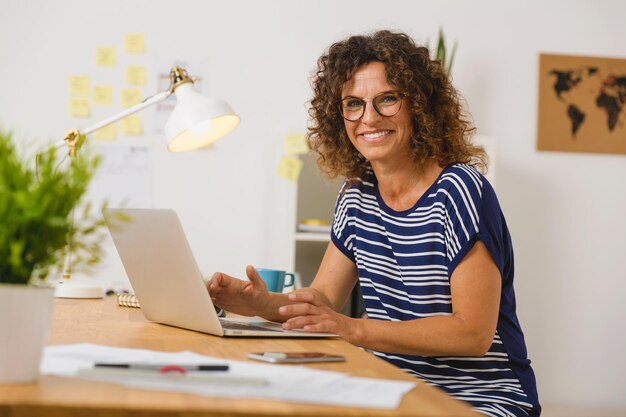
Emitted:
<point x="105" y="57"/>
<point x="103" y="95"/>
<point x="124" y="177"/>
<point x="79" y="107"/>
<point x="289" y="168"/>
<point x="131" y="125"/>
<point x="79" y="86"/>
<point x="295" y="144"/>
<point x="130" y="96"/>
<point x="136" y="75"/>
<point x="285" y="383"/>
<point x="134" y="43"/>
<point x="107" y="133"/>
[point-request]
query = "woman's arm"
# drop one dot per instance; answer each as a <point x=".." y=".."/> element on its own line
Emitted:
<point x="475" y="289"/>
<point x="331" y="287"/>
<point x="335" y="278"/>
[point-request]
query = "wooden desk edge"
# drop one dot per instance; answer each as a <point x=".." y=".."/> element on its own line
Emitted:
<point x="50" y="396"/>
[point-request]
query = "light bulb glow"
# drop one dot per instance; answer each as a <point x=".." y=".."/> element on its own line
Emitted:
<point x="203" y="134"/>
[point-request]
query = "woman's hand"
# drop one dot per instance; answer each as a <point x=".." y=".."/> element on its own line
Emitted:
<point x="247" y="298"/>
<point x="312" y="312"/>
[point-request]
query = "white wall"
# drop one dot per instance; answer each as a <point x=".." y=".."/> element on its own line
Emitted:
<point x="565" y="211"/>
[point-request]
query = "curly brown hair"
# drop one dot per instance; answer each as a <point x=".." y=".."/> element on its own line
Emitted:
<point x="441" y="128"/>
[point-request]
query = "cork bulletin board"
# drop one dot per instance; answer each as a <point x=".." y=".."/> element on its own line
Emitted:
<point x="582" y="104"/>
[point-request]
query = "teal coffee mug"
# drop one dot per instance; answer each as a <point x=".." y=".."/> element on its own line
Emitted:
<point x="275" y="279"/>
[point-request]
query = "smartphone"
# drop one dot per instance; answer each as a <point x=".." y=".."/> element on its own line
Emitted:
<point x="295" y="357"/>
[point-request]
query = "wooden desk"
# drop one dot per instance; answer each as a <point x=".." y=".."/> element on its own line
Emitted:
<point x="103" y="322"/>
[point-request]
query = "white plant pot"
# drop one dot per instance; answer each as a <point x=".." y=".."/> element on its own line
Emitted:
<point x="24" y="322"/>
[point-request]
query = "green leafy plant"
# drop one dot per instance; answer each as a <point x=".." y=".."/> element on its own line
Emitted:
<point x="441" y="52"/>
<point x="41" y="214"/>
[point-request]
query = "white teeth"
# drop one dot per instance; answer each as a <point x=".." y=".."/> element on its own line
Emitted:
<point x="375" y="135"/>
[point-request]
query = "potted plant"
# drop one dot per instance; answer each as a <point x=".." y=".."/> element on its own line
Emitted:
<point x="441" y="54"/>
<point x="39" y="208"/>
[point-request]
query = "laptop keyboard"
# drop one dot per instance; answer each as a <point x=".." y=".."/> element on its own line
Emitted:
<point x="235" y="325"/>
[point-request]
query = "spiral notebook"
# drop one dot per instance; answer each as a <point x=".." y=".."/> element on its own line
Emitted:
<point x="128" y="300"/>
<point x="131" y="300"/>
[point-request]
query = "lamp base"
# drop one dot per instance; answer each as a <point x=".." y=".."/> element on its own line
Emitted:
<point x="65" y="289"/>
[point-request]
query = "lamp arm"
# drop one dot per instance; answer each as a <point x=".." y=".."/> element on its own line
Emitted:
<point x="131" y="110"/>
<point x="72" y="138"/>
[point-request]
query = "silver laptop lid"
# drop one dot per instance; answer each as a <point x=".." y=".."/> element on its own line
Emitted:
<point x="162" y="270"/>
<point x="166" y="279"/>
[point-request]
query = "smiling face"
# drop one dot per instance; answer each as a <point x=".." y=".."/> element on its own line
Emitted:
<point x="380" y="139"/>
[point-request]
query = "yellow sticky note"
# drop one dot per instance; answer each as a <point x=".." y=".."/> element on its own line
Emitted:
<point x="289" y="168"/>
<point x="130" y="96"/>
<point x="135" y="75"/>
<point x="295" y="144"/>
<point x="79" y="107"/>
<point x="131" y="125"/>
<point x="105" y="57"/>
<point x="103" y="95"/>
<point x="79" y="86"/>
<point x="107" y="133"/>
<point x="134" y="43"/>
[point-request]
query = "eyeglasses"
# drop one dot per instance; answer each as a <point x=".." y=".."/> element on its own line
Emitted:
<point x="386" y="104"/>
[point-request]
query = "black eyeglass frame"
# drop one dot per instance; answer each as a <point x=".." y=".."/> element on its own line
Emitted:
<point x="373" y="100"/>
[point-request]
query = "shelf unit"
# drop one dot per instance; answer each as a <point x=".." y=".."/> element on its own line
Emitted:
<point x="311" y="237"/>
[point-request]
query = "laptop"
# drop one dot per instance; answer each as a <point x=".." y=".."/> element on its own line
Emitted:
<point x="167" y="281"/>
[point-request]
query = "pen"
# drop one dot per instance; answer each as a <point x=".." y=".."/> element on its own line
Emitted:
<point x="161" y="367"/>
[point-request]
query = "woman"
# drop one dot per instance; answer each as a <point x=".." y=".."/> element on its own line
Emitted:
<point x="415" y="223"/>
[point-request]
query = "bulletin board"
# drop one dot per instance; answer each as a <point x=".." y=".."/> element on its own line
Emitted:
<point x="581" y="104"/>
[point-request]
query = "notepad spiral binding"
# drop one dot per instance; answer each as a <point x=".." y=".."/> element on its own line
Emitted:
<point x="128" y="300"/>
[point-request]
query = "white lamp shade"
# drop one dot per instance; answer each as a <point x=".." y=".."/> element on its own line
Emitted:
<point x="197" y="120"/>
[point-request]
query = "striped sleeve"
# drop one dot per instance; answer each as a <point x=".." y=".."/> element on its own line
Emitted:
<point x="342" y="232"/>
<point x="462" y="187"/>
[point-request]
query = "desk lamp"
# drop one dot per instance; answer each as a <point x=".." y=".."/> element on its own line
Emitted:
<point x="196" y="121"/>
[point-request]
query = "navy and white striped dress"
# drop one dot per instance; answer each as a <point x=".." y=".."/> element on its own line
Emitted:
<point x="405" y="260"/>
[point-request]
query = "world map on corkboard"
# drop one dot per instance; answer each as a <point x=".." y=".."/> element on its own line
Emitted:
<point x="582" y="104"/>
